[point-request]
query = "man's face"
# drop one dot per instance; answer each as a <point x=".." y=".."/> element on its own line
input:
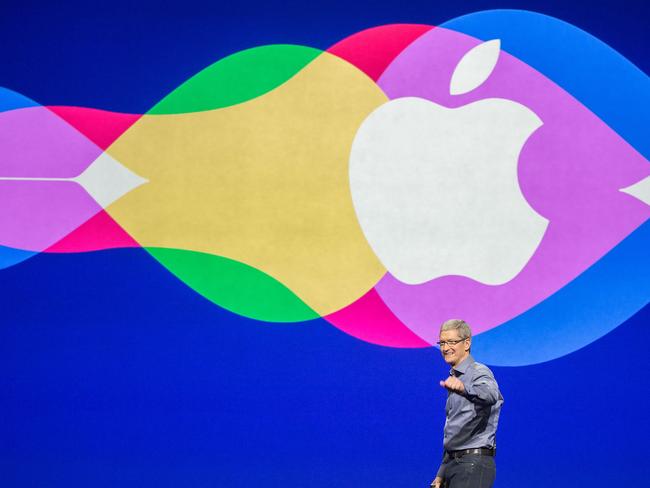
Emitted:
<point x="454" y="354"/>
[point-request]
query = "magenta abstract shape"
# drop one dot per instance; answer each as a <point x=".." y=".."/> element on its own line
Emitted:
<point x="36" y="143"/>
<point x="369" y="319"/>
<point x="39" y="153"/>
<point x="100" y="126"/>
<point x="570" y="171"/>
<point x="372" y="50"/>
<point x="35" y="214"/>
<point x="99" y="232"/>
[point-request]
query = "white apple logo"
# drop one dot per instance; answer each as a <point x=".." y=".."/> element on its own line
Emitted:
<point x="436" y="189"/>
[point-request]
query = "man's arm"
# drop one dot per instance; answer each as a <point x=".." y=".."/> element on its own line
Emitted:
<point x="440" y="476"/>
<point x="483" y="388"/>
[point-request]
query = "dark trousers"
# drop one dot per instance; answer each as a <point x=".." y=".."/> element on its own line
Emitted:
<point x="470" y="471"/>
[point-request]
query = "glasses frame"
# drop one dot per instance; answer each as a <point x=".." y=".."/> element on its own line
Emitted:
<point x="451" y="343"/>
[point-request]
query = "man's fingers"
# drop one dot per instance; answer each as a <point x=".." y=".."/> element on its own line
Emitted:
<point x="452" y="384"/>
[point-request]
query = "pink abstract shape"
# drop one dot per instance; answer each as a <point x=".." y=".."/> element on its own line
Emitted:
<point x="34" y="214"/>
<point x="100" y="126"/>
<point x="372" y="50"/>
<point x="35" y="143"/>
<point x="369" y="319"/>
<point x="100" y="232"/>
<point x="570" y="171"/>
<point x="38" y="152"/>
<point x="41" y="145"/>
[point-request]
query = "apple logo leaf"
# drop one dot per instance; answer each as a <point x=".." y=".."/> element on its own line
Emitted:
<point x="475" y="67"/>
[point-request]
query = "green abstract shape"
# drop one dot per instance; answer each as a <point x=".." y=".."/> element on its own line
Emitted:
<point x="237" y="78"/>
<point x="234" y="286"/>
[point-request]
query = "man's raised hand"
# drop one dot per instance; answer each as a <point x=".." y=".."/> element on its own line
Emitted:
<point x="453" y="384"/>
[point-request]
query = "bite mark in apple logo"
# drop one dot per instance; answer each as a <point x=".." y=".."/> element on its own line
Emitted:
<point x="436" y="190"/>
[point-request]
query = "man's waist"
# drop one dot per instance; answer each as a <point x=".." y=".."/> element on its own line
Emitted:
<point x="478" y="451"/>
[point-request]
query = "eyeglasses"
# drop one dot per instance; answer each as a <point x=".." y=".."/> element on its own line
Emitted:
<point x="450" y="343"/>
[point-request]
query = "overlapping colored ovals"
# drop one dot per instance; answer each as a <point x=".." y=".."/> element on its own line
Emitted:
<point x="571" y="171"/>
<point x="257" y="184"/>
<point x="576" y="178"/>
<point x="262" y="182"/>
<point x="237" y="182"/>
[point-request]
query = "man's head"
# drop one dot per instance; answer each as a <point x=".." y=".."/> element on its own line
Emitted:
<point x="455" y="341"/>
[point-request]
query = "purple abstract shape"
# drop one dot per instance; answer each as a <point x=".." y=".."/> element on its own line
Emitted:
<point x="36" y="214"/>
<point x="570" y="171"/>
<point x="36" y="143"/>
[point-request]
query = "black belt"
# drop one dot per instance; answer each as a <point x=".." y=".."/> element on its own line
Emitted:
<point x="482" y="451"/>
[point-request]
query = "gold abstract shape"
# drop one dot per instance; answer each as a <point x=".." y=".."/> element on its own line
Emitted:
<point x="264" y="182"/>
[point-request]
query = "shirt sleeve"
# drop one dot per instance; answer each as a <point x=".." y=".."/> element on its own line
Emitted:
<point x="482" y="388"/>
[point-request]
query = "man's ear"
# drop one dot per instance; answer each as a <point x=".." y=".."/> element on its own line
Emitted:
<point x="468" y="344"/>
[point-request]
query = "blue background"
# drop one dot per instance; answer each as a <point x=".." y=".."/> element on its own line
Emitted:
<point x="114" y="373"/>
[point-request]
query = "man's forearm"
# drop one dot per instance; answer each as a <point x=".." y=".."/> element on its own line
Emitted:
<point x="483" y="390"/>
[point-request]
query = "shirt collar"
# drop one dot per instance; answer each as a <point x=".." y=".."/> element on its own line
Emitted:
<point x="464" y="364"/>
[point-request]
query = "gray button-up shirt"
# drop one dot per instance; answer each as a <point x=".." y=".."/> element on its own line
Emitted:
<point x="472" y="417"/>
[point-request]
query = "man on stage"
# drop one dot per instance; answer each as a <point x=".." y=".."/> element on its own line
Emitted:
<point x="473" y="406"/>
